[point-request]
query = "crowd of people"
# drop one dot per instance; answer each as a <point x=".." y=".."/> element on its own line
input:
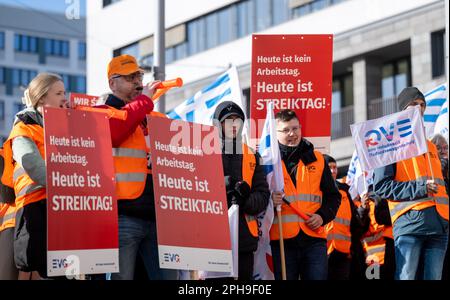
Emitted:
<point x="398" y="229"/>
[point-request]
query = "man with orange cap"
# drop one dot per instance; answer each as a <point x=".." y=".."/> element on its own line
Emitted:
<point x="134" y="186"/>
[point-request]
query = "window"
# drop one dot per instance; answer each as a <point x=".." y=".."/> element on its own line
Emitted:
<point x="226" y="27"/>
<point x="18" y="107"/>
<point x="81" y="51"/>
<point x="263" y="15"/>
<point x="21" y="77"/>
<point x="280" y="10"/>
<point x="57" y="48"/>
<point x="395" y="77"/>
<point x="109" y="2"/>
<point x="81" y="84"/>
<point x="2" y="110"/>
<point x="132" y="50"/>
<point x="25" y="43"/>
<point x="2" y="40"/>
<point x="2" y="75"/>
<point x="437" y="53"/>
<point x="245" y="17"/>
<point x="212" y="30"/>
<point x="342" y="92"/>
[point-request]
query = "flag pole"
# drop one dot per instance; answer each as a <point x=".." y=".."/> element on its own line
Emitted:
<point x="280" y="229"/>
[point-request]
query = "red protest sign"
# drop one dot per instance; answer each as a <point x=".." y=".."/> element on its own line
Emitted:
<point x="294" y="72"/>
<point x="76" y="99"/>
<point x="190" y="202"/>
<point x="82" y="232"/>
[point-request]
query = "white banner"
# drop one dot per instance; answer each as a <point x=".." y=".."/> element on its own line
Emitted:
<point x="389" y="139"/>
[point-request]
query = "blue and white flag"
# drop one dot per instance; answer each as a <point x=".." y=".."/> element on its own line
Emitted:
<point x="271" y="160"/>
<point x="355" y="177"/>
<point x="436" y="113"/>
<point x="389" y="139"/>
<point x="200" y="107"/>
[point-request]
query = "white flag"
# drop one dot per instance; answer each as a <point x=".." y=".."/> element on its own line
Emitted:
<point x="355" y="177"/>
<point x="200" y="108"/>
<point x="389" y="139"/>
<point x="436" y="114"/>
<point x="271" y="160"/>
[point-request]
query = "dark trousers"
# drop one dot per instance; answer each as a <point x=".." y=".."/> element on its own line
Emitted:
<point x="306" y="258"/>
<point x="338" y="266"/>
<point x="245" y="263"/>
<point x="8" y="270"/>
<point x="30" y="238"/>
<point x="387" y="270"/>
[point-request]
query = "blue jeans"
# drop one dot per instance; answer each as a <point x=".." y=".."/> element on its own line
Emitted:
<point x="429" y="249"/>
<point x="138" y="236"/>
<point x="305" y="257"/>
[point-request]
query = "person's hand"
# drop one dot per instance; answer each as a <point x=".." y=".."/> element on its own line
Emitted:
<point x="365" y="201"/>
<point x="242" y="189"/>
<point x="314" y="222"/>
<point x="150" y="88"/>
<point x="277" y="198"/>
<point x="432" y="187"/>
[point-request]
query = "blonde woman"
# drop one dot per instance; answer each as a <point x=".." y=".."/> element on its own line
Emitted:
<point x="25" y="172"/>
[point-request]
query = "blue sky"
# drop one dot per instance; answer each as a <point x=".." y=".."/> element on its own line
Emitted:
<point x="47" y="5"/>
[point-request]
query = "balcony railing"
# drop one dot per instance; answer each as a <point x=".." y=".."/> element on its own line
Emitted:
<point x="340" y="122"/>
<point x="381" y="107"/>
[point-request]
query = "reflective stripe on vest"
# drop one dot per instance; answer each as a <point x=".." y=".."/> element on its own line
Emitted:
<point x="25" y="189"/>
<point x="376" y="249"/>
<point x="306" y="196"/>
<point x="338" y="230"/>
<point x="7" y="216"/>
<point x="418" y="169"/>
<point x="248" y="169"/>
<point x="130" y="166"/>
<point x="372" y="238"/>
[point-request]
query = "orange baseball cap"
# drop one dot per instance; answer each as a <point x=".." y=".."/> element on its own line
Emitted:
<point x="123" y="65"/>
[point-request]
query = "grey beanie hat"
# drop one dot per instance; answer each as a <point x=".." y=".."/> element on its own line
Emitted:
<point x="407" y="96"/>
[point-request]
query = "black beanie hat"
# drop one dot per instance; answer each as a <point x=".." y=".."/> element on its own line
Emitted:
<point x="407" y="96"/>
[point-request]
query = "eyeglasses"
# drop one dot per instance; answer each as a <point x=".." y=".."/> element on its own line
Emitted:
<point x="286" y="131"/>
<point x="132" y="77"/>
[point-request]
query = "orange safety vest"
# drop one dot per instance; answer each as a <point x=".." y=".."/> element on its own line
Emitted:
<point x="130" y="166"/>
<point x="417" y="169"/>
<point x="248" y="169"/>
<point x="338" y="230"/>
<point x="373" y="242"/>
<point x="7" y="216"/>
<point x="306" y="197"/>
<point x="25" y="189"/>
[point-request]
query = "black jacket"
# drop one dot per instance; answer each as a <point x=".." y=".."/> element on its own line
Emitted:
<point x="331" y="198"/>
<point x="232" y="166"/>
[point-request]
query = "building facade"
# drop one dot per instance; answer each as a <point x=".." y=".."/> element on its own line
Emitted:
<point x="31" y="42"/>
<point x="380" y="47"/>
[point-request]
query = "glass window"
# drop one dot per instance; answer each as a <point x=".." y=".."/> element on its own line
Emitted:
<point x="181" y="51"/>
<point x="170" y="55"/>
<point x="2" y="110"/>
<point x="56" y="47"/>
<point x="192" y="37"/>
<point x="66" y="81"/>
<point x="25" y="46"/>
<point x="18" y="107"/>
<point x="81" y="50"/>
<point x="401" y="76"/>
<point x="17" y="40"/>
<point x="2" y="40"/>
<point x="65" y="49"/>
<point x="132" y="50"/>
<point x="336" y="97"/>
<point x="81" y="84"/>
<point x="2" y="75"/>
<point x="212" y="30"/>
<point x="147" y="60"/>
<point x="387" y="81"/>
<point x="225" y="26"/>
<point x="33" y="44"/>
<point x="15" y="77"/>
<point x="280" y="9"/>
<point x="48" y="46"/>
<point x="301" y="10"/>
<point x="348" y="90"/>
<point x="201" y="33"/>
<point x="437" y="53"/>
<point x="263" y="16"/>
<point x="319" y="4"/>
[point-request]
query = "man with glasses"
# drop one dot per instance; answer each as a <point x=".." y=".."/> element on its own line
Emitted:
<point x="134" y="186"/>
<point x="309" y="188"/>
